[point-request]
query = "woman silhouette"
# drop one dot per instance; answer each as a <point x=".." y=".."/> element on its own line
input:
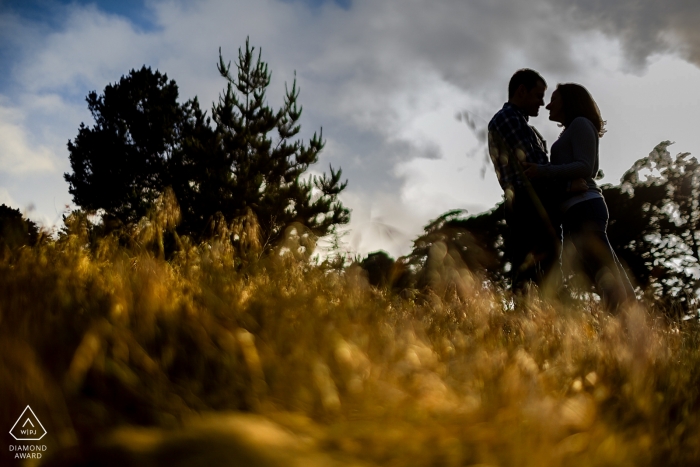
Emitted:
<point x="585" y="215"/>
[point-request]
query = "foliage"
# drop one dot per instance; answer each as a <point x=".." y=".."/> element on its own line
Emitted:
<point x="120" y="165"/>
<point x="263" y="174"/>
<point x="654" y="224"/>
<point x="380" y="269"/>
<point x="15" y="229"/>
<point x="248" y="164"/>
<point x="117" y="336"/>
<point x="476" y="241"/>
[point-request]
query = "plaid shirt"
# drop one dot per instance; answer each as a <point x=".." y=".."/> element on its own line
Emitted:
<point x="511" y="135"/>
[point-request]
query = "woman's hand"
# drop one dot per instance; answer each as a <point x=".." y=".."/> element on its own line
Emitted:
<point x="578" y="186"/>
<point x="531" y="170"/>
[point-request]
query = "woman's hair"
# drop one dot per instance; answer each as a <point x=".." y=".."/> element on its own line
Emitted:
<point x="577" y="102"/>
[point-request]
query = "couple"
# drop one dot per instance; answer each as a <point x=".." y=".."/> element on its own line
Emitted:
<point x="542" y="199"/>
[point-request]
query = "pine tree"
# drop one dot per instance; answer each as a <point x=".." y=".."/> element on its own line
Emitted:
<point x="258" y="163"/>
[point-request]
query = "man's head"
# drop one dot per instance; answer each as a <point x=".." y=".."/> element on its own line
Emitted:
<point x="526" y="91"/>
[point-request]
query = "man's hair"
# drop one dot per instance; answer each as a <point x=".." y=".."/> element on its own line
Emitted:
<point x="578" y="102"/>
<point x="525" y="76"/>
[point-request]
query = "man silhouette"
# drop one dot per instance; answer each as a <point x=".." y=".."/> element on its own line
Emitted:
<point x="533" y="238"/>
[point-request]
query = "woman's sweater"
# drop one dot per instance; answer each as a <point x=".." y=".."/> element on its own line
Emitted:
<point x="575" y="155"/>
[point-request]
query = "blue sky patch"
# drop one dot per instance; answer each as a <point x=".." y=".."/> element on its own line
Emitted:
<point x="52" y="12"/>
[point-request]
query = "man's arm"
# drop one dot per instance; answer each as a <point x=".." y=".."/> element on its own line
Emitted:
<point x="499" y="154"/>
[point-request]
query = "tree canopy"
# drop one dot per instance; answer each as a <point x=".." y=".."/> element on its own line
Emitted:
<point x="254" y="161"/>
<point x="120" y="164"/>
<point x="655" y="216"/>
<point x="245" y="159"/>
<point x="15" y="229"/>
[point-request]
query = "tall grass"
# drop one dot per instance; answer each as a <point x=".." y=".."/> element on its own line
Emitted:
<point x="108" y="335"/>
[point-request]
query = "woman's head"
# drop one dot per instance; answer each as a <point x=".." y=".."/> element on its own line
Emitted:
<point x="570" y="101"/>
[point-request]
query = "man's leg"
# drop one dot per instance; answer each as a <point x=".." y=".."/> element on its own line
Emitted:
<point x="530" y="245"/>
<point x="516" y="250"/>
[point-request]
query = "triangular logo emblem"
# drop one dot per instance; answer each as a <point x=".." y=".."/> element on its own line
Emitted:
<point x="28" y="427"/>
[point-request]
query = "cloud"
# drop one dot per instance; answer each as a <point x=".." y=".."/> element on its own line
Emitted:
<point x="89" y="49"/>
<point x="378" y="225"/>
<point x="644" y="27"/>
<point x="17" y="154"/>
<point x="5" y="198"/>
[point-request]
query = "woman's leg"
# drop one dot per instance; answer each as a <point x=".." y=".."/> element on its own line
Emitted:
<point x="630" y="294"/>
<point x="586" y="224"/>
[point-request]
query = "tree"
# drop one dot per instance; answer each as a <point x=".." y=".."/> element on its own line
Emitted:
<point x="256" y="164"/>
<point x="380" y="269"/>
<point x="15" y="229"/>
<point x="654" y="224"/>
<point x="248" y="164"/>
<point x="475" y="241"/>
<point x="120" y="165"/>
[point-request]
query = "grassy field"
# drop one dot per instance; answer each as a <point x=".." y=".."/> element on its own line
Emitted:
<point x="109" y="336"/>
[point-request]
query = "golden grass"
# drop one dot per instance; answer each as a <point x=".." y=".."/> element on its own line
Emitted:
<point x="108" y="336"/>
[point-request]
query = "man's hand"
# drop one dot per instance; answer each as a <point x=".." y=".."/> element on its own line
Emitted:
<point x="531" y="170"/>
<point x="578" y="186"/>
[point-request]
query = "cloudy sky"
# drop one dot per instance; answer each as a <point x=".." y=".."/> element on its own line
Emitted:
<point x="402" y="88"/>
